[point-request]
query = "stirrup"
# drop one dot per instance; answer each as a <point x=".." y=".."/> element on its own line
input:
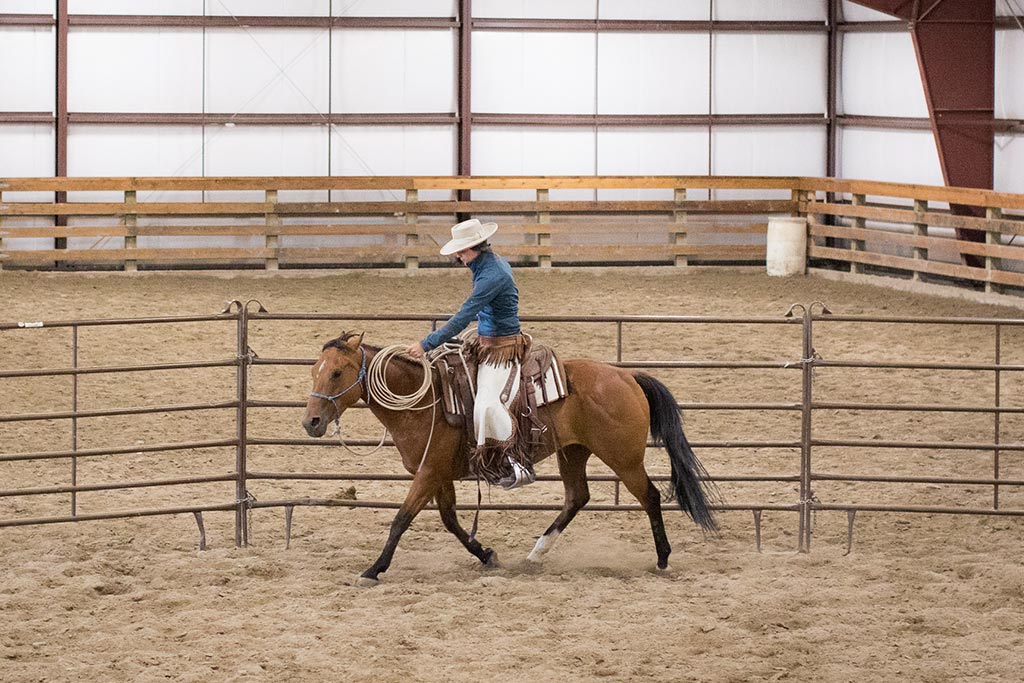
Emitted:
<point x="520" y="476"/>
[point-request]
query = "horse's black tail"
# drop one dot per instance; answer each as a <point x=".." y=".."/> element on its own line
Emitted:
<point x="690" y="480"/>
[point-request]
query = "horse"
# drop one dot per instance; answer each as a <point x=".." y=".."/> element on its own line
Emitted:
<point x="607" y="413"/>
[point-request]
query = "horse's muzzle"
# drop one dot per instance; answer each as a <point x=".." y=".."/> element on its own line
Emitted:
<point x="315" y="426"/>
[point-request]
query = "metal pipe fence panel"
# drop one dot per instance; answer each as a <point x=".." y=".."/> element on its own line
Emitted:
<point x="800" y="440"/>
<point x="91" y="460"/>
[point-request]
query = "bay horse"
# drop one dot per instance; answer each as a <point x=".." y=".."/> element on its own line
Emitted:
<point x="607" y="413"/>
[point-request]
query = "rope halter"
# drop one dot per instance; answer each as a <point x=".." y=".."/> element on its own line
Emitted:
<point x="359" y="380"/>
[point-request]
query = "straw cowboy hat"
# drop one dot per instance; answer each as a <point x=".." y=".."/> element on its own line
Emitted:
<point x="468" y="234"/>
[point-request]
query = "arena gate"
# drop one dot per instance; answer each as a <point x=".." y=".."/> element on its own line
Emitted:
<point x="811" y="463"/>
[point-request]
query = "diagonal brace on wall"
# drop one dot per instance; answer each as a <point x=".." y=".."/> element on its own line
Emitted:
<point x="955" y="45"/>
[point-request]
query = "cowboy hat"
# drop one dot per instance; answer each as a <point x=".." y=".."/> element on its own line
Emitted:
<point x="468" y="234"/>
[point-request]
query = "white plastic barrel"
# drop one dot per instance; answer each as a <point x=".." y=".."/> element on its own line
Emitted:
<point x="786" y="245"/>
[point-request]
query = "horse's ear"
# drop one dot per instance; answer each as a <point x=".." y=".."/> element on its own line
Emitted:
<point x="355" y="341"/>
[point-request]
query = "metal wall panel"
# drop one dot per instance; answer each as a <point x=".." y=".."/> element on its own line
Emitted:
<point x="393" y="71"/>
<point x="391" y="151"/>
<point x="1009" y="164"/>
<point x="534" y="72"/>
<point x="851" y="11"/>
<point x="652" y="73"/>
<point x="770" y="73"/>
<point x="1009" y="101"/>
<point x="665" y="10"/>
<point x="651" y="151"/>
<point x="163" y="74"/>
<point x="266" y="70"/>
<point x="536" y="9"/>
<point x="394" y="8"/>
<point x="27" y="67"/>
<point x="139" y="7"/>
<point x="270" y="8"/>
<point x="900" y="156"/>
<point x="533" y="150"/>
<point x="771" y="10"/>
<point x="879" y="76"/>
<point x="762" y="150"/>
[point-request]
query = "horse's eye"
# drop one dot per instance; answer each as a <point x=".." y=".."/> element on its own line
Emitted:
<point x="336" y="374"/>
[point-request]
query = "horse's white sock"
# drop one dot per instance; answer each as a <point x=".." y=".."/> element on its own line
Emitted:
<point x="544" y="544"/>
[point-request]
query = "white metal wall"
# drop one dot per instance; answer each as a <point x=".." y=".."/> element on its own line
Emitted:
<point x="313" y="71"/>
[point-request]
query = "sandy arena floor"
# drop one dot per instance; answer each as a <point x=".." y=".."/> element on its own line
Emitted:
<point x="921" y="597"/>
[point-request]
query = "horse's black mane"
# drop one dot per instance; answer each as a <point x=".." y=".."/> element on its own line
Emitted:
<point x="340" y="344"/>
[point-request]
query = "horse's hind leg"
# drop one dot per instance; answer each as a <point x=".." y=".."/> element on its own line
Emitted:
<point x="635" y="479"/>
<point x="446" y="506"/>
<point x="572" y="465"/>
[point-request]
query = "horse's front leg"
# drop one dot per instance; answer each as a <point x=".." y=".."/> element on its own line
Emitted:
<point x="446" y="506"/>
<point x="424" y="487"/>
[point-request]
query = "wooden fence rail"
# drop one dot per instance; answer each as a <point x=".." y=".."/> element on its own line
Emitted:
<point x="383" y="221"/>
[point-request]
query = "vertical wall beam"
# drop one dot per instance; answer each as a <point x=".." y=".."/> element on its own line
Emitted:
<point x="832" y="105"/>
<point x="60" y="138"/>
<point x="465" y="114"/>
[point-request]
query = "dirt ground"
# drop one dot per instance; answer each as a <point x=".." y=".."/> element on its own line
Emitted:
<point x="921" y="597"/>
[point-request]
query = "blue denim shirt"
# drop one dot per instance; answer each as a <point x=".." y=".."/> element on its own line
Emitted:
<point x="494" y="302"/>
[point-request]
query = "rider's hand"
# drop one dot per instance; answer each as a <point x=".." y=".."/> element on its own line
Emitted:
<point x="415" y="350"/>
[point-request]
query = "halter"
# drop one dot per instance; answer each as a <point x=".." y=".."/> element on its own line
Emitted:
<point x="359" y="380"/>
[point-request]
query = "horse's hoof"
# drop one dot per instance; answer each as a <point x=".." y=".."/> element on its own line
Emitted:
<point x="366" y="582"/>
<point x="491" y="561"/>
<point x="662" y="571"/>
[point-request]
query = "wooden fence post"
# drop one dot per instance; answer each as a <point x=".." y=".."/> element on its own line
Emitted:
<point x="273" y="238"/>
<point x="992" y="263"/>
<point x="920" y="230"/>
<point x="131" y="222"/>
<point x="679" y="224"/>
<point x="544" y="238"/>
<point x="1" y="233"/>
<point x="858" y="245"/>
<point x="412" y="237"/>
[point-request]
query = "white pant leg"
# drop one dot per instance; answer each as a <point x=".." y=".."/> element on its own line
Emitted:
<point x="490" y="414"/>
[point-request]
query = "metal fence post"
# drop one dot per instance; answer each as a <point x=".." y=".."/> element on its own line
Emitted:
<point x="74" y="419"/>
<point x="806" y="354"/>
<point x="807" y="363"/>
<point x="241" y="495"/>
<point x="998" y="415"/>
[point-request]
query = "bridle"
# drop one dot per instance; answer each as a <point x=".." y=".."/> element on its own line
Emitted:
<point x="359" y="380"/>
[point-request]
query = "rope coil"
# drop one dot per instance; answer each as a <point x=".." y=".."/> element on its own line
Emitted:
<point x="378" y="391"/>
<point x="377" y="386"/>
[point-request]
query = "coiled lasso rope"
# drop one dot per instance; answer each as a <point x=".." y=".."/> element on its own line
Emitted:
<point x="378" y="390"/>
<point x="377" y="385"/>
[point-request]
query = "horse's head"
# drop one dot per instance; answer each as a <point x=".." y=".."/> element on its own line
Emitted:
<point x="338" y="378"/>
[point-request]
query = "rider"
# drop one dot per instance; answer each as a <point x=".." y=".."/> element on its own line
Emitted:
<point x="494" y="303"/>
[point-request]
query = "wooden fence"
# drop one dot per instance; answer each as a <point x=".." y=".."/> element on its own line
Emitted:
<point x="273" y="222"/>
